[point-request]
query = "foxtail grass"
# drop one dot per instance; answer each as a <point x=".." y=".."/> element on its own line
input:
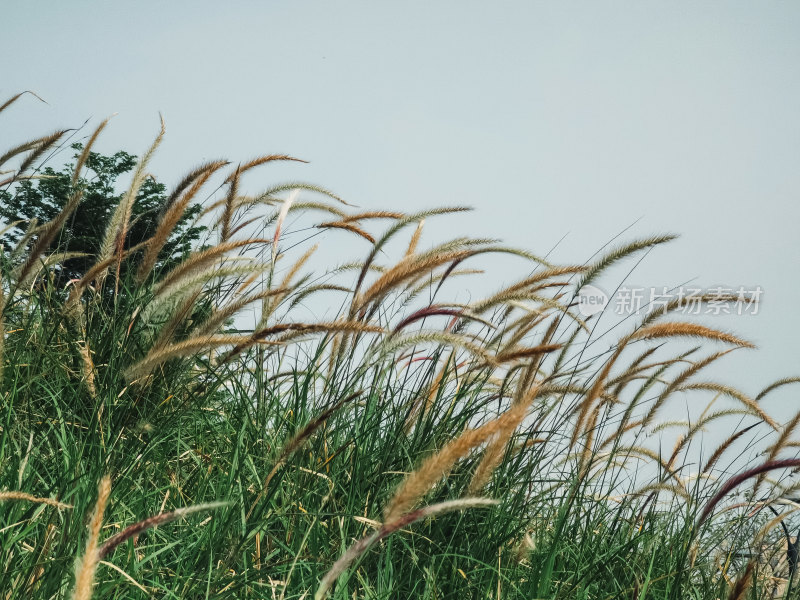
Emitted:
<point x="320" y="408"/>
<point x="87" y="564"/>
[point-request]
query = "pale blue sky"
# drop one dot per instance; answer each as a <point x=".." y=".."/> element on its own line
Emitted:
<point x="551" y="119"/>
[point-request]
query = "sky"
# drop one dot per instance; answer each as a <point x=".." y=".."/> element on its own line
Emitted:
<point x="564" y="124"/>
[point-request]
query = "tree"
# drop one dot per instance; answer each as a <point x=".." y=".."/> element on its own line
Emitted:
<point x="43" y="198"/>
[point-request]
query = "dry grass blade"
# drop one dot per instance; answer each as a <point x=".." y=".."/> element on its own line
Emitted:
<point x="261" y="160"/>
<point x="417" y="484"/>
<point x="93" y="274"/>
<point x="618" y="254"/>
<point x="304" y="292"/>
<point x="387" y="529"/>
<point x="43" y="146"/>
<point x="717" y="454"/>
<point x="87" y="564"/>
<point x="779" y="519"/>
<point x="244" y="225"/>
<point x="395" y="228"/>
<point x="702" y="424"/>
<point x="736" y="480"/>
<point x="54" y="259"/>
<point x="732" y="392"/>
<point x="423" y="401"/>
<point x="525" y="353"/>
<point x="783" y="439"/>
<point x="188" y="180"/>
<point x="87" y="365"/>
<point x="131" y="530"/>
<point x="428" y="311"/>
<point x="497" y="447"/>
<point x="298" y="185"/>
<point x="287" y="204"/>
<point x="347" y="227"/>
<point x="184" y="348"/>
<point x="740" y="589"/>
<point x="176" y="206"/>
<point x="48" y="234"/>
<point x="490" y="461"/>
<point x="681" y="329"/>
<point x="407" y="269"/>
<point x="776" y="385"/>
<point x="13" y="495"/>
<point x="240" y="343"/>
<point x="627" y="452"/>
<point x="267" y="198"/>
<point x="300" y="328"/>
<point x="414" y="241"/>
<point x="776" y="448"/>
<point x="373" y="214"/>
<point x="16" y="97"/>
<point x="117" y="228"/>
<point x="522" y="289"/>
<point x="635" y="367"/>
<point x="84" y="155"/>
<point x="676" y="383"/>
<point x="268" y="306"/>
<point x="22" y="243"/>
<point x="219" y="316"/>
<point x="617" y="434"/>
<point x="14" y="178"/>
<point x="199" y="260"/>
<point x="399" y="342"/>
<point x="10" y="226"/>
<point x="19" y="149"/>
<point x="224" y="268"/>
<point x="130" y="579"/>
<point x="583" y="408"/>
<point x="182" y="309"/>
<point x="51" y="229"/>
<point x="227" y="213"/>
<point x="675" y="488"/>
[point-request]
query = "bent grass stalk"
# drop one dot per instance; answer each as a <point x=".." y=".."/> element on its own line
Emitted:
<point x="5" y="496"/>
<point x="387" y="529"/>
<point x="735" y="481"/>
<point x="130" y="531"/>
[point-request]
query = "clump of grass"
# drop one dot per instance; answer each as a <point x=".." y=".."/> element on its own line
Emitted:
<point x="321" y="409"/>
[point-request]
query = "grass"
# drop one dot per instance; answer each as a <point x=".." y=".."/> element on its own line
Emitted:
<point x="153" y="446"/>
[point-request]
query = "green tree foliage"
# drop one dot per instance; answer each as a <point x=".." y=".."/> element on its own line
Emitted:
<point x="43" y="198"/>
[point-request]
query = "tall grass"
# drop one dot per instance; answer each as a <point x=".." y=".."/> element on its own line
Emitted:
<point x="406" y="447"/>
